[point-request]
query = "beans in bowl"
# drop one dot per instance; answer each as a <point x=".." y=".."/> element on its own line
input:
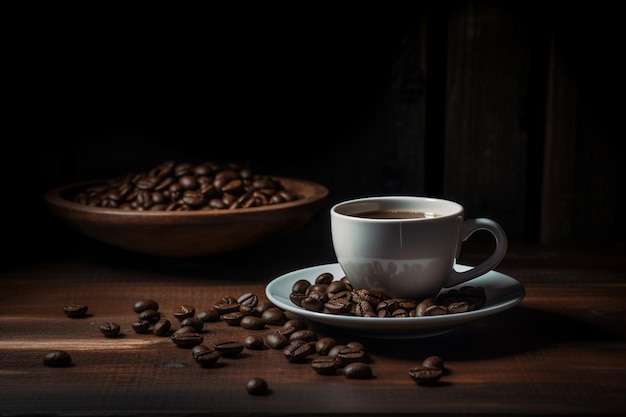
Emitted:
<point x="184" y="186"/>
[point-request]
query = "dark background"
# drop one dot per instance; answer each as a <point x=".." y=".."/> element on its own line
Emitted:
<point x="506" y="107"/>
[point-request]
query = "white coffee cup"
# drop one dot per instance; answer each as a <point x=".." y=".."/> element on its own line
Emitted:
<point x="407" y="246"/>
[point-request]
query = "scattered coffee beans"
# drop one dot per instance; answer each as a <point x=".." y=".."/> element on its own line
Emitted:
<point x="297" y="343"/>
<point x="57" y="358"/>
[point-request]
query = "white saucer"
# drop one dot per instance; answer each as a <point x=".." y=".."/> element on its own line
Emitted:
<point x="502" y="291"/>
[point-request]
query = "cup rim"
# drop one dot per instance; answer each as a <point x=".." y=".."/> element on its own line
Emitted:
<point x="455" y="209"/>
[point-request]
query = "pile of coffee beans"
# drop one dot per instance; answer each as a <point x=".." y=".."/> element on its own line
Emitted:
<point x="325" y="294"/>
<point x="183" y="186"/>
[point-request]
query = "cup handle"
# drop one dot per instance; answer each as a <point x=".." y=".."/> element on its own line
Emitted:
<point x="469" y="227"/>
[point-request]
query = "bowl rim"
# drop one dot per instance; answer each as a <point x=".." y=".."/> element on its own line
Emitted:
<point x="55" y="197"/>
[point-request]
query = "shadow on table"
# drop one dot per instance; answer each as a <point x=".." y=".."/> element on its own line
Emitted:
<point x="512" y="332"/>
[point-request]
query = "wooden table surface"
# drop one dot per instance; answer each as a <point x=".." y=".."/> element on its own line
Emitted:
<point x="561" y="351"/>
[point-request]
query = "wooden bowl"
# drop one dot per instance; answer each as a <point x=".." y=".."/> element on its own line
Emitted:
<point x="188" y="233"/>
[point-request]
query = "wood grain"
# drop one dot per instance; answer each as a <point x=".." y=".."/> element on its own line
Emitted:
<point x="560" y="352"/>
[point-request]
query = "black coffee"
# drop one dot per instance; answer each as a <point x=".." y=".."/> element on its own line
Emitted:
<point x="395" y="214"/>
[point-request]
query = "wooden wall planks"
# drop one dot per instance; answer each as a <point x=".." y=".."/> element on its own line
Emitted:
<point x="520" y="129"/>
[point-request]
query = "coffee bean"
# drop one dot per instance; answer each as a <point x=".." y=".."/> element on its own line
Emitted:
<point x="146" y="304"/>
<point x="228" y="300"/>
<point x="225" y="308"/>
<point x="349" y="355"/>
<point x="324" y="345"/>
<point x="57" y="358"/>
<point x="297" y="350"/>
<point x="233" y="318"/>
<point x="324" y="366"/>
<point x="433" y="362"/>
<point x="334" y="351"/>
<point x="110" y="329"/>
<point x="248" y="300"/>
<point x="297" y="297"/>
<point x="318" y="289"/>
<point x="336" y="287"/>
<point x="204" y="355"/>
<point x="196" y="323"/>
<point x="257" y="386"/>
<point x="365" y="309"/>
<point x="276" y="340"/>
<point x="300" y="286"/>
<point x="274" y="316"/>
<point x="303" y="334"/>
<point x="186" y="329"/>
<point x="141" y="326"/>
<point x="424" y="375"/>
<point x="458" y="307"/>
<point x="151" y="316"/>
<point x="162" y="327"/>
<point x="210" y="315"/>
<point x="313" y="302"/>
<point x="324" y="278"/>
<point x="339" y="306"/>
<point x="356" y="345"/>
<point x="357" y="370"/>
<point x="262" y="306"/>
<point x="253" y="342"/>
<point x="184" y="311"/>
<point x="373" y="297"/>
<point x="75" y="310"/>
<point x="187" y="339"/>
<point x="229" y="348"/>
<point x="252" y="323"/>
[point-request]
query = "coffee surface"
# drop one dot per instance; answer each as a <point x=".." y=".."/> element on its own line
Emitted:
<point x="395" y="214"/>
